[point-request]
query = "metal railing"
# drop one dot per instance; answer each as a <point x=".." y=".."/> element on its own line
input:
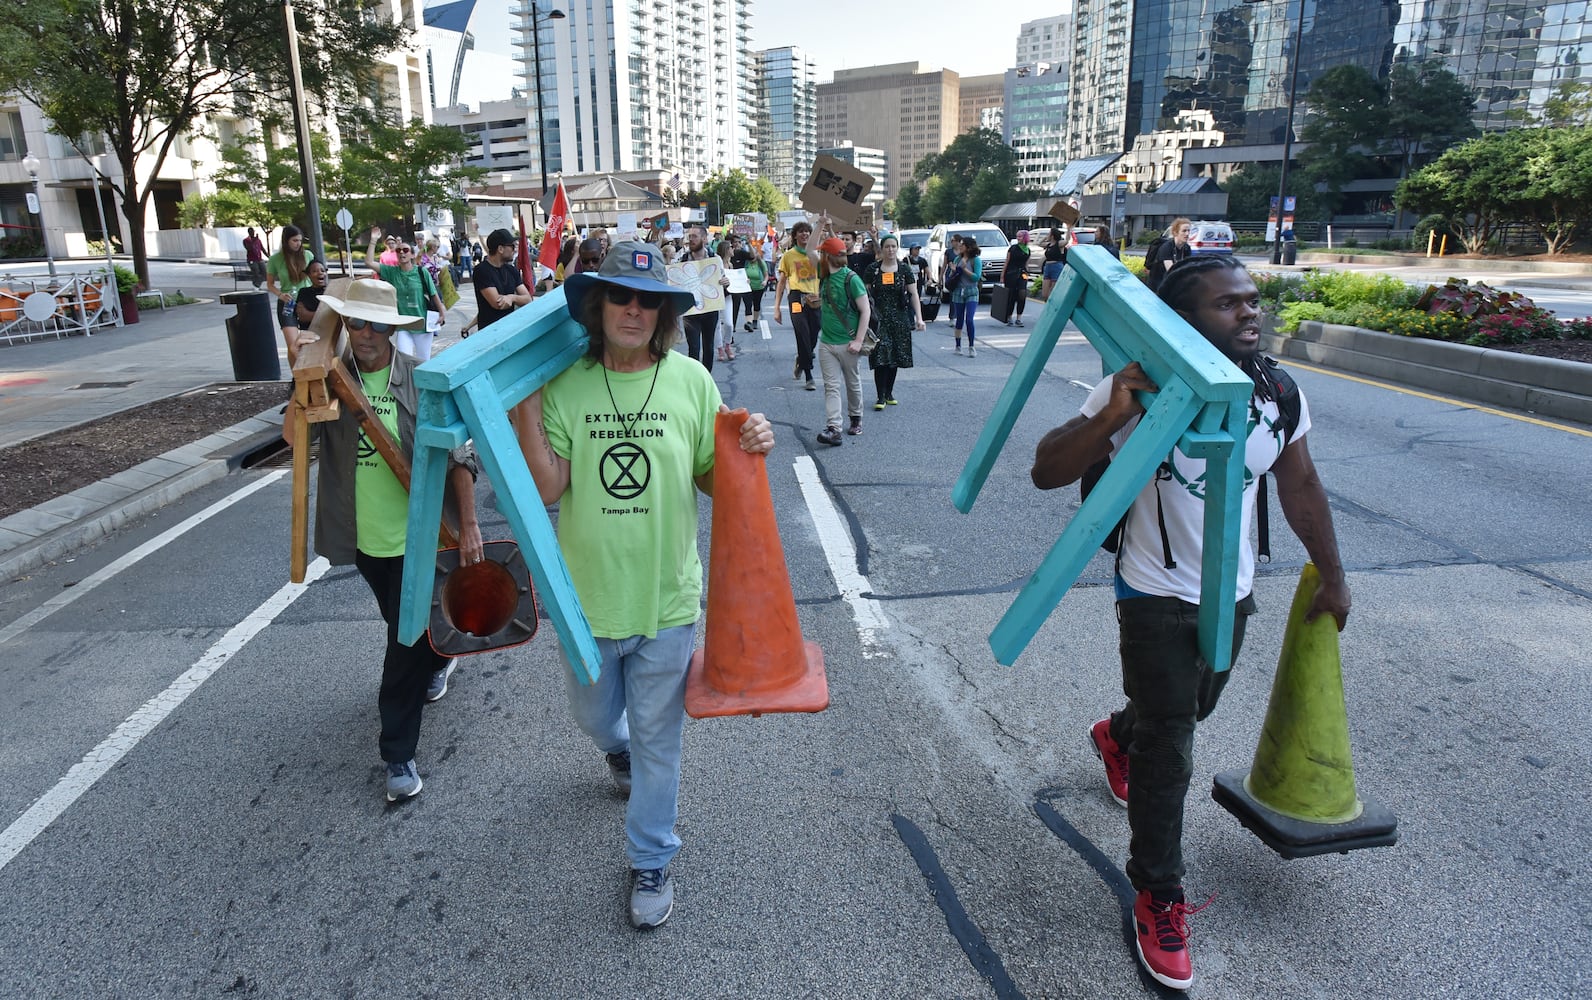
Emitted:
<point x="79" y="303"/>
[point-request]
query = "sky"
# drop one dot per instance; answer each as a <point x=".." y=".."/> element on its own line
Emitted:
<point x="971" y="38"/>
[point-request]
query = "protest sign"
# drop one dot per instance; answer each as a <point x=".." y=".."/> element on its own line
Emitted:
<point x="838" y="188"/>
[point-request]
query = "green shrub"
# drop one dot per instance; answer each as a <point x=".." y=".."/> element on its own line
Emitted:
<point x="1362" y="314"/>
<point x="1135" y="264"/>
<point x="1434" y="224"/>
<point x="1344" y="288"/>
<point x="1278" y="287"/>
<point x="1576" y="329"/>
<point x="1293" y="313"/>
<point x="1428" y="326"/>
<point x="1508" y="328"/>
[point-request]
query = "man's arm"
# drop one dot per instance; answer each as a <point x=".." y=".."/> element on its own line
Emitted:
<point x="549" y="470"/>
<point x="471" y="549"/>
<point x="1067" y="451"/>
<point x="1304" y="504"/>
<point x="779" y="297"/>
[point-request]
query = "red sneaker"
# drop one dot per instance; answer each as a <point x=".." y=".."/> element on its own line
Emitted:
<point x="1162" y="937"/>
<point x="1114" y="757"/>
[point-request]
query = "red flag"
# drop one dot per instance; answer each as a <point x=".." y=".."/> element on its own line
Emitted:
<point x="553" y="235"/>
<point x="527" y="269"/>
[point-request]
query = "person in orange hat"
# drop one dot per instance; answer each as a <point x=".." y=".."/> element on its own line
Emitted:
<point x="843" y="327"/>
<point x="622" y="441"/>
<point x="362" y="512"/>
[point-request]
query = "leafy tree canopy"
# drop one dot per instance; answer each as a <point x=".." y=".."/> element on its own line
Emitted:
<point x="976" y="167"/>
<point x="1251" y="188"/>
<point x="143" y="73"/>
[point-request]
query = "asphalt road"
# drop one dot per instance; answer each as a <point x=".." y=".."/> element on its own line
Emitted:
<point x="942" y="830"/>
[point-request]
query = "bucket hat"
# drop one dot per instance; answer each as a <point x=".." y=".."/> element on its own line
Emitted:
<point x="630" y="265"/>
<point x="372" y="301"/>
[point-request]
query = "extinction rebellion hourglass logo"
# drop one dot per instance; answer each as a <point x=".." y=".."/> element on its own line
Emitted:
<point x="625" y="471"/>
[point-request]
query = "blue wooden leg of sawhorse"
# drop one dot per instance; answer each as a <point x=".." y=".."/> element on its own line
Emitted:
<point x="466" y="392"/>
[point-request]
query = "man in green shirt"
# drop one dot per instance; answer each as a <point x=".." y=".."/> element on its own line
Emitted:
<point x="362" y="513"/>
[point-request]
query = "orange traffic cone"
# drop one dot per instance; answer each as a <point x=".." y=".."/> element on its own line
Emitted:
<point x="755" y="659"/>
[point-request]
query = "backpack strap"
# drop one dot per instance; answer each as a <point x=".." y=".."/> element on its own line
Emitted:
<point x="1285" y="392"/>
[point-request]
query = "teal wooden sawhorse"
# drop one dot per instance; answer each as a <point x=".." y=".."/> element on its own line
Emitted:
<point x="466" y="392"/>
<point x="1202" y="408"/>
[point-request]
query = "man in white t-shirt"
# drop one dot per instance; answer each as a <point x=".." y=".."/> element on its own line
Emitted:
<point x="1169" y="686"/>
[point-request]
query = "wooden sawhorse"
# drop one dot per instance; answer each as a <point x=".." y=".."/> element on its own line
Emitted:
<point x="1201" y="408"/>
<point x="466" y="392"/>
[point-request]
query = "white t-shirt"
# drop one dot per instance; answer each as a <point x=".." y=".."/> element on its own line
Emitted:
<point x="1181" y="485"/>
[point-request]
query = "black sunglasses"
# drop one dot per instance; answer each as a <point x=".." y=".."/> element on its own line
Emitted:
<point x="621" y="296"/>
<point x="355" y="323"/>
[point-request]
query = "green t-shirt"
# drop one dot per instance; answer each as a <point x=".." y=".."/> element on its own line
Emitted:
<point x="628" y="521"/>
<point x="381" y="504"/>
<point x="839" y="316"/>
<point x="276" y="267"/>
<point x="413" y="287"/>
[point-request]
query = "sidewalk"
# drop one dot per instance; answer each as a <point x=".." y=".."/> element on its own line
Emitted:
<point x="52" y="385"/>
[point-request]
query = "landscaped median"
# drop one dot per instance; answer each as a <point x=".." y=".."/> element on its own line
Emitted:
<point x="1546" y="386"/>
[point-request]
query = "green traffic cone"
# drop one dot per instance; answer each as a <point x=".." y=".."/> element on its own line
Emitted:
<point x="1303" y="767"/>
<point x="1299" y="796"/>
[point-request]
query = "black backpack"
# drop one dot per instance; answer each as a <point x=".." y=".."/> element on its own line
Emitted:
<point x="1282" y="388"/>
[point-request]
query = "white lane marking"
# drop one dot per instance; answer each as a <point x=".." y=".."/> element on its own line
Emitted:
<point x="1085" y="386"/>
<point x="135" y="727"/>
<point x="835" y="540"/>
<point x="155" y="544"/>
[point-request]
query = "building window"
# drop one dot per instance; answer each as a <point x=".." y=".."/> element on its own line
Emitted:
<point x="13" y="144"/>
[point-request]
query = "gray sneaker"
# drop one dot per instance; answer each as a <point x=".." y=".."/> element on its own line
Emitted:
<point x="651" y="897"/>
<point x="439" y="681"/>
<point x="403" y="781"/>
<point x="619" y="767"/>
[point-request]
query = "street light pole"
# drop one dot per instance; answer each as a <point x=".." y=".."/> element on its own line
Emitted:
<point x="1287" y="134"/>
<point x="536" y="58"/>
<point x="31" y="164"/>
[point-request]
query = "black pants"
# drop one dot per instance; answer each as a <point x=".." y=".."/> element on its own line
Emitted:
<point x="405" y="670"/>
<point x="699" y="336"/>
<point x="1170" y="687"/>
<point x="884" y="377"/>
<point x="805" y="325"/>
<point x="1018" y="295"/>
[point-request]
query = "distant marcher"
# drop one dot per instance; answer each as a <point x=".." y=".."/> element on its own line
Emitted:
<point x="844" y="325"/>
<point x="286" y="272"/>
<point x="1014" y="277"/>
<point x="388" y="255"/>
<point x="362" y="515"/>
<point x="798" y="277"/>
<point x="894" y="290"/>
<point x="700" y="329"/>
<point x="1055" y="260"/>
<point x="920" y="268"/>
<point x="499" y="286"/>
<point x="964" y="299"/>
<point x="1170" y="251"/>
<point x="254" y="256"/>
<point x="309" y="297"/>
<point x="751" y="302"/>
<point x="1103" y="239"/>
<point x="416" y="295"/>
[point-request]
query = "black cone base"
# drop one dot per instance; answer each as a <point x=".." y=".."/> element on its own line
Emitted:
<point x="1297" y="838"/>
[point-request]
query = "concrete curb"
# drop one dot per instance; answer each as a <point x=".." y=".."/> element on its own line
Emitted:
<point x="1545" y="386"/>
<point x="31" y="538"/>
<point x="1496" y="265"/>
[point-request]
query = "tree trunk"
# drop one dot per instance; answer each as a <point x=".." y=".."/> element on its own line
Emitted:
<point x="133" y="211"/>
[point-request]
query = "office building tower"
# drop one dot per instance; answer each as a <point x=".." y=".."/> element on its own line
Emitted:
<point x="904" y="109"/>
<point x="1035" y="122"/>
<point x="977" y="97"/>
<point x="787" y="137"/>
<point x="1047" y="40"/>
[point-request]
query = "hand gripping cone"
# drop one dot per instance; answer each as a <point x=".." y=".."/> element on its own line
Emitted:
<point x="754" y="659"/>
<point x="1299" y="797"/>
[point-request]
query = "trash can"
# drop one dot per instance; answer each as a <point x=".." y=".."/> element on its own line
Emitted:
<point x="251" y="335"/>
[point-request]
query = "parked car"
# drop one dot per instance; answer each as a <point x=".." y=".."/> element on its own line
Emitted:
<point x="1080" y="237"/>
<point x="1210" y="237"/>
<point x="913" y="238"/>
<point x="992" y="244"/>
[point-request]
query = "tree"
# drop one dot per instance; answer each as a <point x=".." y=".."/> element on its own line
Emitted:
<point x="1469" y="185"/>
<point x="989" y="189"/>
<point x="143" y="73"/>
<point x="1251" y="188"/>
<point x="770" y="200"/>
<point x="968" y="160"/>
<point x="1552" y="190"/>
<point x="399" y="165"/>
<point x="1570" y="105"/>
<point x="1346" y="117"/>
<point x="1428" y="107"/>
<point x="909" y="206"/>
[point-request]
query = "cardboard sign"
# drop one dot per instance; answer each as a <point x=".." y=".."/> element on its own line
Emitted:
<point x="493" y="217"/>
<point x="659" y="221"/>
<point x="838" y="188"/>
<point x="739" y="283"/>
<point x="788" y="219"/>
<point x="702" y="278"/>
<point x="625" y="228"/>
<point x="865" y="218"/>
<point x="1062" y="211"/>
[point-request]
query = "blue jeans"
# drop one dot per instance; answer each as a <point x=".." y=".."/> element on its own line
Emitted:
<point x="962" y="312"/>
<point x="638" y="704"/>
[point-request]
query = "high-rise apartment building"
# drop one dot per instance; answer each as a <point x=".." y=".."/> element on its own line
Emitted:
<point x="1047" y="40"/>
<point x="978" y="95"/>
<point x="787" y="103"/>
<point x="1164" y="81"/>
<point x="906" y="110"/>
<point x="642" y="84"/>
